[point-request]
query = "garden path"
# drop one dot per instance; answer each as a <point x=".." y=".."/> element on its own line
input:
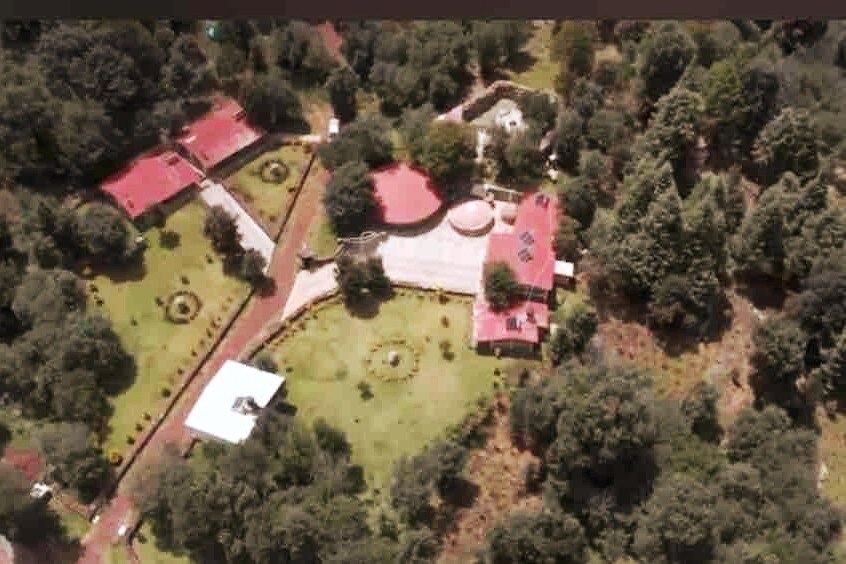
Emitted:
<point x="262" y="310"/>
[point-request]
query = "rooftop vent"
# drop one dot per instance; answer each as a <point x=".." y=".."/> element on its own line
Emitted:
<point x="239" y="114"/>
<point x="527" y="238"/>
<point x="512" y="324"/>
<point x="524" y="255"/>
<point x="245" y="405"/>
<point x="542" y="200"/>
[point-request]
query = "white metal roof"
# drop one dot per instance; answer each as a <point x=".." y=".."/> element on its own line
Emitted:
<point x="564" y="268"/>
<point x="214" y="414"/>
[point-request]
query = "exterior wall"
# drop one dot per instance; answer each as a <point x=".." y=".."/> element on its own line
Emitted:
<point x="508" y="348"/>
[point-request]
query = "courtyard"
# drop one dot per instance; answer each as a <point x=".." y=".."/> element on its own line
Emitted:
<point x="387" y="411"/>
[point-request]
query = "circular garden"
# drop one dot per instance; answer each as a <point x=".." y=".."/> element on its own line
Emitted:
<point x="182" y="306"/>
<point x="274" y="171"/>
<point x="393" y="360"/>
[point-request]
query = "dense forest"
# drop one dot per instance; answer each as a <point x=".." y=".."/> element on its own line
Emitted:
<point x="706" y="158"/>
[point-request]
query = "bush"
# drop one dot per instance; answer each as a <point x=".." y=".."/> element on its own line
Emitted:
<point x="169" y="239"/>
<point x="115" y="458"/>
<point x="264" y="361"/>
<point x="165" y="392"/>
<point x="444" y="321"/>
<point x="365" y="390"/>
<point x="446" y="349"/>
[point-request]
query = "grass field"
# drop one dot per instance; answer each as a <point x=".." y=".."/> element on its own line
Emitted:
<point x="159" y="346"/>
<point x="321" y="238"/>
<point x="539" y="70"/>
<point x="269" y="200"/>
<point x="402" y="416"/>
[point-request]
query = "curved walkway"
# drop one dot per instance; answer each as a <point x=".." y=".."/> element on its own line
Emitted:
<point x="261" y="311"/>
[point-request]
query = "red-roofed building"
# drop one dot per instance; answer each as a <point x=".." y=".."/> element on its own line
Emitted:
<point x="151" y="181"/>
<point x="528" y="250"/>
<point x="406" y="196"/>
<point x="519" y="328"/>
<point x="219" y="135"/>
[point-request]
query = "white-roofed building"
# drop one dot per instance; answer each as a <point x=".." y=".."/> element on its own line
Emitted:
<point x="565" y="272"/>
<point x="230" y="404"/>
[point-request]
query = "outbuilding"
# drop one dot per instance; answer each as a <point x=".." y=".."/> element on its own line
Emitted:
<point x="231" y="403"/>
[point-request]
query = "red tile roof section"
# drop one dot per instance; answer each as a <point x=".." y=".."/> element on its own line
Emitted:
<point x="406" y="196"/>
<point x="219" y="134"/>
<point x="150" y="180"/>
<point x="540" y="222"/>
<point x="492" y="327"/>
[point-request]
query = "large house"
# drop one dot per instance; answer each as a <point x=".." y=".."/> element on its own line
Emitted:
<point x="230" y="404"/>
<point x="217" y="137"/>
<point x="151" y="181"/>
<point x="528" y="249"/>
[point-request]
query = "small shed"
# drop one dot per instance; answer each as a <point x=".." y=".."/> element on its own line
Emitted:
<point x="334" y="128"/>
<point x="230" y="404"/>
<point x="565" y="272"/>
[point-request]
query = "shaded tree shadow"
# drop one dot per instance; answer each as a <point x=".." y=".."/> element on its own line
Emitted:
<point x="677" y="341"/>
<point x="367" y="308"/>
<point x="462" y="493"/>
<point x="5" y="437"/>
<point x="762" y="291"/>
<point x="266" y="287"/>
<point x="298" y="127"/>
<point x="123" y="378"/>
<point x="132" y="272"/>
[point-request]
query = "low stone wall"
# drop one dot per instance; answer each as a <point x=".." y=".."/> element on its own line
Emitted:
<point x="484" y="101"/>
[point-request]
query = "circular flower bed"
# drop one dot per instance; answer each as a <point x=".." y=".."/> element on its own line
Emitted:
<point x="394" y="360"/>
<point x="274" y="171"/>
<point x="182" y="306"/>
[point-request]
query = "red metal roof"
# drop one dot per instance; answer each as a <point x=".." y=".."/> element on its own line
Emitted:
<point x="528" y="318"/>
<point x="219" y="134"/>
<point x="406" y="195"/>
<point x="528" y="249"/>
<point x="150" y="180"/>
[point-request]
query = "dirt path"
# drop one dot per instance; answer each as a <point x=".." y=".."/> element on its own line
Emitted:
<point x="261" y="311"/>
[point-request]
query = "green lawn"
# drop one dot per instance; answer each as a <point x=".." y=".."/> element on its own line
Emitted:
<point x="159" y="346"/>
<point x="321" y="238"/>
<point x="402" y="416"/>
<point x="541" y="71"/>
<point x="269" y="200"/>
<point x="76" y="526"/>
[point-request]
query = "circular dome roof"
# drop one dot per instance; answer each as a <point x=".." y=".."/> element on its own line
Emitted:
<point x="471" y="218"/>
<point x="508" y="212"/>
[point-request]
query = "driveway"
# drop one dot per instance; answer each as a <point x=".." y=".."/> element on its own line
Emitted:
<point x="252" y="235"/>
